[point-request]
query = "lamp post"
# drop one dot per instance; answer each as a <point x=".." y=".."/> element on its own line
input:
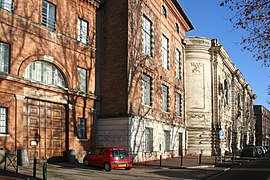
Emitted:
<point x="35" y="143"/>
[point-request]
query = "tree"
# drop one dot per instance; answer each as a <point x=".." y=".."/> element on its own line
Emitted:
<point x="254" y="17"/>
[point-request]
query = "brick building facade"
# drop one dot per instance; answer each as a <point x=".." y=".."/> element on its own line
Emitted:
<point x="140" y="77"/>
<point x="47" y="76"/>
<point x="262" y="127"/>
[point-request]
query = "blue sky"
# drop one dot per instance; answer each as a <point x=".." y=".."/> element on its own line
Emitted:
<point x="210" y="20"/>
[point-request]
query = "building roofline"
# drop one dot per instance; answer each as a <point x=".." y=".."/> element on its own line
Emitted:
<point x="180" y="9"/>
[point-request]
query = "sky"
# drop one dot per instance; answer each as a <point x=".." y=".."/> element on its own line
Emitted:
<point x="210" y="20"/>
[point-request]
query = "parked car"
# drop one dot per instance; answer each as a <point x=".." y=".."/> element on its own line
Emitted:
<point x="108" y="158"/>
<point x="249" y="152"/>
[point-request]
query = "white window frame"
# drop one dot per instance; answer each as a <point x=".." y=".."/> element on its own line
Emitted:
<point x="82" y="31"/>
<point x="177" y="64"/>
<point x="165" y="98"/>
<point x="7" y="5"/>
<point x="81" y="128"/>
<point x="149" y="140"/>
<point x="147" y="36"/>
<point x="167" y="140"/>
<point x="82" y="76"/>
<point x="178" y="104"/>
<point x="49" y="15"/>
<point x="165" y="52"/>
<point x="45" y="72"/>
<point x="4" y="57"/>
<point x="3" y="120"/>
<point x="146" y="90"/>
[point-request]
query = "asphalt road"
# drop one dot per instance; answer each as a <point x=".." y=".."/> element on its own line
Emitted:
<point x="258" y="169"/>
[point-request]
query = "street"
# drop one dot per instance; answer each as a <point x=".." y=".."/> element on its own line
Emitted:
<point x="255" y="170"/>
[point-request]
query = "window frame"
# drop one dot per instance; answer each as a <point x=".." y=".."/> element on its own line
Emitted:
<point x="164" y="11"/>
<point x="149" y="140"/>
<point x="81" y="128"/>
<point x="82" y="35"/>
<point x="47" y="19"/>
<point x="178" y="104"/>
<point x="146" y="90"/>
<point x="5" y="61"/>
<point x="4" y="126"/>
<point x="147" y="36"/>
<point x="178" y="69"/>
<point x="7" y="5"/>
<point x="165" y="52"/>
<point x="81" y="82"/>
<point x="165" y="98"/>
<point x="167" y="140"/>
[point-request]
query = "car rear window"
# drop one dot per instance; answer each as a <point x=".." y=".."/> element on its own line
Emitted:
<point x="120" y="153"/>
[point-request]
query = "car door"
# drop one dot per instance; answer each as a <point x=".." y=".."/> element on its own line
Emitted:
<point x="93" y="157"/>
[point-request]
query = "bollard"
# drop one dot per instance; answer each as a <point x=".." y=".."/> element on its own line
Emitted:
<point x="200" y="159"/>
<point x="35" y="167"/>
<point x="45" y="171"/>
<point x="160" y="160"/>
<point x="181" y="160"/>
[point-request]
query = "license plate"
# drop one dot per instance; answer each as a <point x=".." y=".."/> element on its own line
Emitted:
<point x="122" y="165"/>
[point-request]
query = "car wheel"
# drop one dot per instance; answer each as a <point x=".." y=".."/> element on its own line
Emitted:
<point x="85" y="162"/>
<point x="128" y="168"/>
<point x="107" y="167"/>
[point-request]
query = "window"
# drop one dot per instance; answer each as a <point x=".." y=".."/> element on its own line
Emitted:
<point x="81" y="128"/>
<point x="177" y="64"/>
<point x="165" y="95"/>
<point x="239" y="101"/>
<point x="178" y="104"/>
<point x="167" y="138"/>
<point x="164" y="11"/>
<point x="147" y="38"/>
<point x="146" y="90"/>
<point x="227" y="91"/>
<point x="177" y="27"/>
<point x="149" y="139"/>
<point x="165" y="52"/>
<point x="4" y="57"/>
<point x="81" y="79"/>
<point x="82" y="31"/>
<point x="45" y="72"/>
<point x="48" y="15"/>
<point x="3" y="120"/>
<point x="6" y="4"/>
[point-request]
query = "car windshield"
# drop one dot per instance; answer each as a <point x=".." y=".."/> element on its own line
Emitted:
<point x="120" y="153"/>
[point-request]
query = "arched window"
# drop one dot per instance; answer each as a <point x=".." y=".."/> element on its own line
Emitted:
<point x="239" y="101"/>
<point x="45" y="72"/>
<point x="164" y="11"/>
<point x="227" y="91"/>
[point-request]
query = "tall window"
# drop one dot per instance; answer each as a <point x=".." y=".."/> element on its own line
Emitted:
<point x="6" y="4"/>
<point x="165" y="52"/>
<point x="239" y="99"/>
<point x="48" y="15"/>
<point x="164" y="11"/>
<point x="3" y="120"/>
<point x="81" y="79"/>
<point x="165" y="99"/>
<point x="44" y="72"/>
<point x="167" y="138"/>
<point x="81" y="128"/>
<point x="147" y="38"/>
<point x="178" y="64"/>
<point x="227" y="91"/>
<point x="178" y="104"/>
<point x="4" y="57"/>
<point x="148" y="139"/>
<point x="82" y="31"/>
<point x="146" y="90"/>
<point x="177" y="29"/>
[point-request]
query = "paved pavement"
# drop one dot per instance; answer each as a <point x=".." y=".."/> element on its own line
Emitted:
<point x="169" y="169"/>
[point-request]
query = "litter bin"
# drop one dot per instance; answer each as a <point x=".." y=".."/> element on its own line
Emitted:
<point x="22" y="157"/>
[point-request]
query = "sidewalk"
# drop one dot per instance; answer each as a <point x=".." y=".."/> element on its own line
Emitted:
<point x="190" y="166"/>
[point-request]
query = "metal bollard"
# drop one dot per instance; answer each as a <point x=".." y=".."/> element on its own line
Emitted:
<point x="181" y="160"/>
<point x="45" y="171"/>
<point x="160" y="160"/>
<point x="200" y="159"/>
<point x="35" y="168"/>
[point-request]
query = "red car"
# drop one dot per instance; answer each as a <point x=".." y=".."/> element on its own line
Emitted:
<point x="108" y="158"/>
